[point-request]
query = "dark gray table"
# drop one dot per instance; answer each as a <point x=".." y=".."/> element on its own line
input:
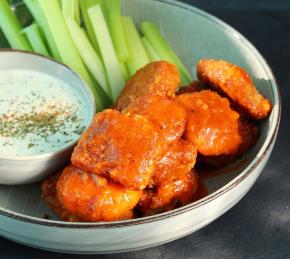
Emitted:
<point x="259" y="225"/>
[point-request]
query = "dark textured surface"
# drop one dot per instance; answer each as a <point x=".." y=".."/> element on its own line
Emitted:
<point x="259" y="225"/>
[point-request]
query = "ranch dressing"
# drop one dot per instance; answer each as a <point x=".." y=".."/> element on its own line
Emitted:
<point x="38" y="113"/>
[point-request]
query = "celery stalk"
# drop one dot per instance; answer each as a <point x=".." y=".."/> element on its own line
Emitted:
<point x="11" y="28"/>
<point x="107" y="102"/>
<point x="35" y="38"/>
<point x="116" y="29"/>
<point x="138" y="56"/>
<point x="66" y="47"/>
<point x="38" y="15"/>
<point x="88" y="54"/>
<point x="152" y="54"/>
<point x="152" y="33"/>
<point x="112" y="66"/>
<point x="125" y="71"/>
<point x="70" y="8"/>
<point x="103" y="4"/>
<point x="85" y="5"/>
<point x="77" y="11"/>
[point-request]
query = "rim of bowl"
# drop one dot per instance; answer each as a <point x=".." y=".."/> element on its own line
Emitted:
<point x="266" y="147"/>
<point x="91" y="107"/>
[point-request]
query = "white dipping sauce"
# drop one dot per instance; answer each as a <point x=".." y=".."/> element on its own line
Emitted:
<point x="38" y="113"/>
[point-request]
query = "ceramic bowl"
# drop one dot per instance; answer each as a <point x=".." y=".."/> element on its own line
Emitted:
<point x="28" y="169"/>
<point x="194" y="34"/>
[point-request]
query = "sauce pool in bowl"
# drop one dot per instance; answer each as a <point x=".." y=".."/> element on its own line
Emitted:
<point x="38" y="113"/>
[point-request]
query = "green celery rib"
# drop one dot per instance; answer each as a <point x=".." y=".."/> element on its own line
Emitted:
<point x="35" y="38"/>
<point x="11" y="28"/>
<point x="85" y="5"/>
<point x="70" y="8"/>
<point x="125" y="71"/>
<point x="105" y="99"/>
<point x="34" y="8"/>
<point x="77" y="11"/>
<point x="88" y="54"/>
<point x="152" y="33"/>
<point x="104" y="6"/>
<point x="138" y="56"/>
<point x="116" y="29"/>
<point x="66" y="47"/>
<point x="152" y="54"/>
<point x="112" y="66"/>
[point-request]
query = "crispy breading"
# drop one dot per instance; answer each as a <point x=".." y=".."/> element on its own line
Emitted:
<point x="157" y="77"/>
<point x="48" y="188"/>
<point x="236" y="84"/>
<point x="212" y="126"/>
<point x="169" y="116"/>
<point x="249" y="135"/>
<point x="173" y="183"/>
<point x="123" y="147"/>
<point x="94" y="198"/>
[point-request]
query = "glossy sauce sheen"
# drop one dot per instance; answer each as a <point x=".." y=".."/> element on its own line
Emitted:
<point x="38" y="113"/>
<point x="211" y="125"/>
<point x="94" y="198"/>
<point x="123" y="147"/>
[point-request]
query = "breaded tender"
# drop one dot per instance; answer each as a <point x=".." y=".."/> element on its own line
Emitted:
<point x="157" y="77"/>
<point x="173" y="183"/>
<point x="48" y="188"/>
<point x="180" y="157"/>
<point x="169" y="116"/>
<point x="249" y="136"/>
<point x="212" y="126"/>
<point x="94" y="198"/>
<point x="236" y="84"/>
<point x="123" y="147"/>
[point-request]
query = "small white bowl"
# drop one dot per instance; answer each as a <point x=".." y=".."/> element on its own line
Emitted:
<point x="27" y="169"/>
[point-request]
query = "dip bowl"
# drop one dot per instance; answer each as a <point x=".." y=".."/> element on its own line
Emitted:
<point x="26" y="169"/>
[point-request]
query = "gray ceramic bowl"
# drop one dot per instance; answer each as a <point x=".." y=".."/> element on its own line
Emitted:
<point x="193" y="34"/>
<point x="28" y="169"/>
